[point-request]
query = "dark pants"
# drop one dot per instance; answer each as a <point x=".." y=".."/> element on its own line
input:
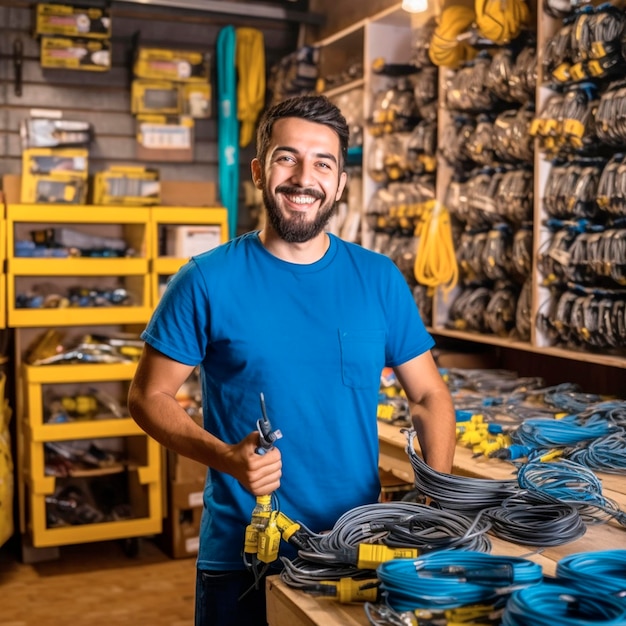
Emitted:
<point x="229" y="599"/>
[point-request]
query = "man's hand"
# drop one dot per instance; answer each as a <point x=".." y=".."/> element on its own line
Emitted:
<point x="258" y="473"/>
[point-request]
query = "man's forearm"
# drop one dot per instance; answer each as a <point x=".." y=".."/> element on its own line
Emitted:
<point x="435" y="425"/>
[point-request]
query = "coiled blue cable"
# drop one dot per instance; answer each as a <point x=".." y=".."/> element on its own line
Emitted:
<point x="446" y="579"/>
<point x="605" y="454"/>
<point x="549" y="433"/>
<point x="601" y="572"/>
<point x="572" y="483"/>
<point x="556" y="603"/>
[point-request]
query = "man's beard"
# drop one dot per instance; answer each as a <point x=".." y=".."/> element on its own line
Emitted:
<point x="297" y="227"/>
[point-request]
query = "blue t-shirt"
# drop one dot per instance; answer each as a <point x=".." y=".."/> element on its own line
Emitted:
<point x="314" y="339"/>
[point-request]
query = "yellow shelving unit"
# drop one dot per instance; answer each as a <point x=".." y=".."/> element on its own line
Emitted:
<point x="165" y="265"/>
<point x="130" y="273"/>
<point x="3" y="277"/>
<point x="138" y="473"/>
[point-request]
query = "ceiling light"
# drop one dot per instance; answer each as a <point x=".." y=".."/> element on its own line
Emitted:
<point x="415" y="6"/>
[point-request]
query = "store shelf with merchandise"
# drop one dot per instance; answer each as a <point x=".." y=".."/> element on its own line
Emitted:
<point x="86" y="477"/>
<point x="40" y="286"/>
<point x="3" y="276"/>
<point x="544" y="334"/>
<point x="179" y="232"/>
<point x="388" y="35"/>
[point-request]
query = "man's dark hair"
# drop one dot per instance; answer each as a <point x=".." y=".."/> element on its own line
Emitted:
<point x="316" y="108"/>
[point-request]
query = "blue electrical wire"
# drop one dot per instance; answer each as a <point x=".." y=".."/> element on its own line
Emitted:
<point x="605" y="454"/>
<point x="551" y="603"/>
<point x="549" y="433"/>
<point x="611" y="410"/>
<point x="601" y="572"/>
<point x="572" y="483"/>
<point x="446" y="580"/>
<point x="228" y="125"/>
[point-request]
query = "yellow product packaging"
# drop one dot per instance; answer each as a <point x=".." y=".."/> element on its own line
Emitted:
<point x="90" y="55"/>
<point x="155" y="96"/>
<point x="176" y="65"/>
<point x="71" y="21"/>
<point x="128" y="186"/>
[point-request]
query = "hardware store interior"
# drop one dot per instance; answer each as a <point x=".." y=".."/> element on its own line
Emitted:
<point x="484" y="160"/>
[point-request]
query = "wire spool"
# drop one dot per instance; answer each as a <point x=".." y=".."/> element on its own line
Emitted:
<point x="501" y="22"/>
<point x="500" y="310"/>
<point x="512" y="138"/>
<point x="610" y="128"/>
<point x="523" y="79"/>
<point x="572" y="483"/>
<point x="535" y="519"/>
<point x="453" y="145"/>
<point x="514" y="196"/>
<point x="446" y="50"/>
<point x="462" y="494"/>
<point x="498" y="78"/>
<point x="611" y="193"/>
<point x="557" y="54"/>
<point x="479" y="144"/>
<point x="557" y="603"/>
<point x="521" y="252"/>
<point x="602" y="572"/>
<point x="605" y="454"/>
<point x="467" y="311"/>
<point x="496" y="255"/>
<point x="450" y="580"/>
<point x="468" y="90"/>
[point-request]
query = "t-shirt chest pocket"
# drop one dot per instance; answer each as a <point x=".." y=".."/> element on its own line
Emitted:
<point x="362" y="357"/>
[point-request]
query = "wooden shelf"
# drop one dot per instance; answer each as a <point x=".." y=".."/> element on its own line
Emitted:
<point x="493" y="340"/>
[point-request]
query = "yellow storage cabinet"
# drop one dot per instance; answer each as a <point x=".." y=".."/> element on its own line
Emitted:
<point x="43" y="274"/>
<point x="173" y="231"/>
<point x="134" y="477"/>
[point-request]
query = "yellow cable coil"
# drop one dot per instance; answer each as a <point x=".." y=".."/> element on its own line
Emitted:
<point x="501" y="21"/>
<point x="250" y="60"/>
<point x="435" y="259"/>
<point x="446" y="50"/>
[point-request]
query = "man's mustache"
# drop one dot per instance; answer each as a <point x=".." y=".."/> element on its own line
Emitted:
<point x="291" y="190"/>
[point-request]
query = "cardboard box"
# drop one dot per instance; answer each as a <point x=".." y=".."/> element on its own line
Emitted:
<point x="12" y="188"/>
<point x="186" y="241"/>
<point x="181" y="528"/>
<point x="184" y="470"/>
<point x="188" y="193"/>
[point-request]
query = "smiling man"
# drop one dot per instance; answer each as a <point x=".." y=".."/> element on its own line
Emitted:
<point x="309" y="321"/>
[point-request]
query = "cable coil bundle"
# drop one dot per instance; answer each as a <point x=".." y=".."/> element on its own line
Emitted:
<point x="536" y="519"/>
<point x="548" y="604"/>
<point x="449" y="580"/>
<point x="462" y="494"/>
<point x="335" y="555"/>
<point x="601" y="572"/>
<point x="572" y="483"/>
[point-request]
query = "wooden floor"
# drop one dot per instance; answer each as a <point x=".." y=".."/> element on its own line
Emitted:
<point x="97" y="585"/>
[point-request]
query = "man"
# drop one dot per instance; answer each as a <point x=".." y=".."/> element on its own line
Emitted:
<point x="307" y="320"/>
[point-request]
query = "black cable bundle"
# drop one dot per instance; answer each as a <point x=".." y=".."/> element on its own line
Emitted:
<point x="333" y="555"/>
<point x="536" y="519"/>
<point x="462" y="494"/>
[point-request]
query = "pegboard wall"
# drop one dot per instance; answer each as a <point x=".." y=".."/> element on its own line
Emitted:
<point x="103" y="98"/>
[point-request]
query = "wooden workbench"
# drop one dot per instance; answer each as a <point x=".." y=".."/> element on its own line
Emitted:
<point x="289" y="607"/>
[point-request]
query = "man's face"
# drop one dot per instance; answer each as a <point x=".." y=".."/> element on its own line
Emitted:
<point x="301" y="182"/>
